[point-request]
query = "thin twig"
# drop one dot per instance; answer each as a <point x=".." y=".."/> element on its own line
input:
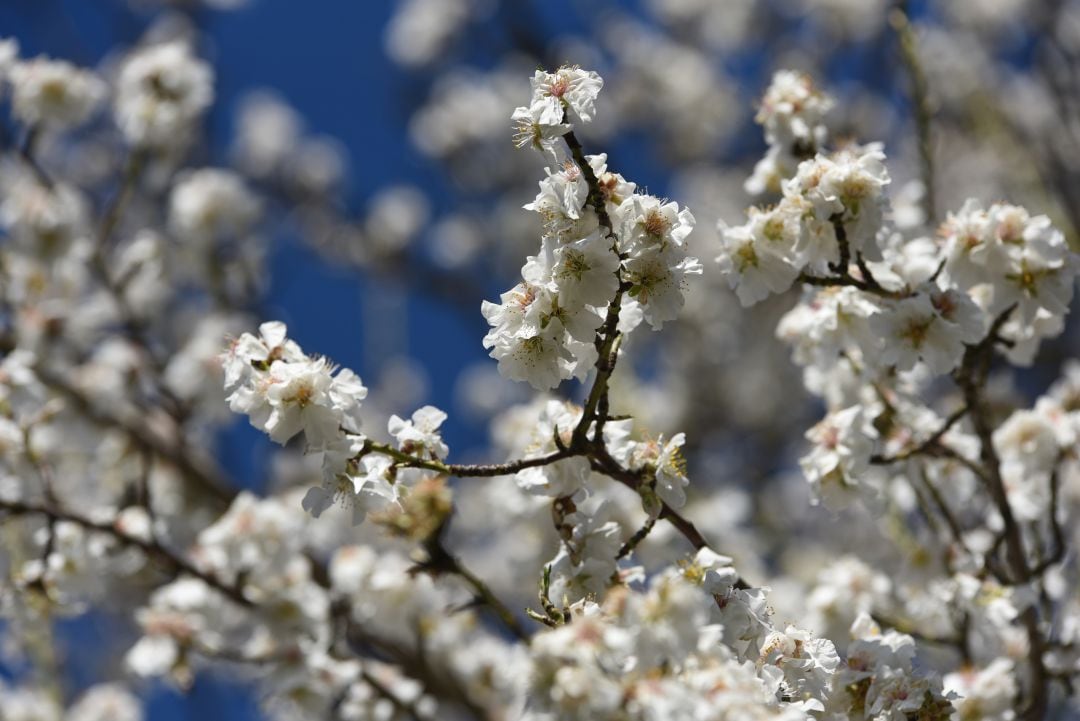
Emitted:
<point x="926" y="446"/>
<point x="971" y="377"/>
<point x="441" y="561"/>
<point x="634" y="540"/>
<point x="465" y="470"/>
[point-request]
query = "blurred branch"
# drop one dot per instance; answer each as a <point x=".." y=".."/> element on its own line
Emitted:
<point x="151" y="548"/>
<point x="188" y="461"/>
<point x="920" y="102"/>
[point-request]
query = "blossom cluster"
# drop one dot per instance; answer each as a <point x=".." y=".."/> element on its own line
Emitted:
<point x="602" y="241"/>
<point x="885" y="312"/>
<point x="286" y="393"/>
<point x="692" y="646"/>
<point x="792" y="113"/>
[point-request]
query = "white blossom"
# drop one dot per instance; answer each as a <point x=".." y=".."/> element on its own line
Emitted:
<point x="843" y="443"/>
<point x="54" y="93"/>
<point x="161" y="91"/>
<point x="210" y="204"/>
<point x="567" y="90"/>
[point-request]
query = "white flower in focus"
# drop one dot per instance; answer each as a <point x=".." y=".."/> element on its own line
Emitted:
<point x="54" y="93"/>
<point x="248" y="352"/>
<point x="970" y="247"/>
<point x="805" y="665"/>
<point x="857" y="177"/>
<point x="712" y="571"/>
<point x="561" y="203"/>
<point x="896" y="694"/>
<point x="614" y="187"/>
<point x="585" y="271"/>
<point x="567" y="89"/>
<point x="284" y="392"/>
<point x="585" y="564"/>
<point x="162" y="90"/>
<point x="530" y="130"/>
<point x="654" y="235"/>
<point x="528" y="335"/>
<point x="562" y="478"/>
<point x="1038" y="280"/>
<point x="931" y="326"/>
<point x="300" y="396"/>
<point x="420" y="436"/>
<point x="847" y="186"/>
<point x="659" y="281"/>
<point x="1005" y="256"/>
<point x="362" y="485"/>
<point x="649" y="224"/>
<point x="668" y="467"/>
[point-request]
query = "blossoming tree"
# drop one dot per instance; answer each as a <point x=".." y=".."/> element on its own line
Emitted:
<point x="568" y="576"/>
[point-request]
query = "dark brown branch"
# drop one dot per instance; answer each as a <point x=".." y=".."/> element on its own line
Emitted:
<point x="842" y="268"/>
<point x="971" y="377"/>
<point x="608" y="334"/>
<point x="635" y="540"/>
<point x="441" y="561"/>
<point x="466" y="470"/>
<point x="925" y="447"/>
<point x="943" y="509"/>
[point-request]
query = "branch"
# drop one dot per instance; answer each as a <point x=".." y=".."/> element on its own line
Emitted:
<point x="605" y="464"/>
<point x="406" y="707"/>
<point x="927" y="446"/>
<point x="1056" y="531"/>
<point x="440" y="561"/>
<point x="195" y="467"/>
<point x="26" y="150"/>
<point x="920" y="101"/>
<point x="971" y="377"/>
<point x="177" y="564"/>
<point x="466" y="471"/>
<point x="943" y="509"/>
<point x="634" y="540"/>
<point x="608" y="333"/>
